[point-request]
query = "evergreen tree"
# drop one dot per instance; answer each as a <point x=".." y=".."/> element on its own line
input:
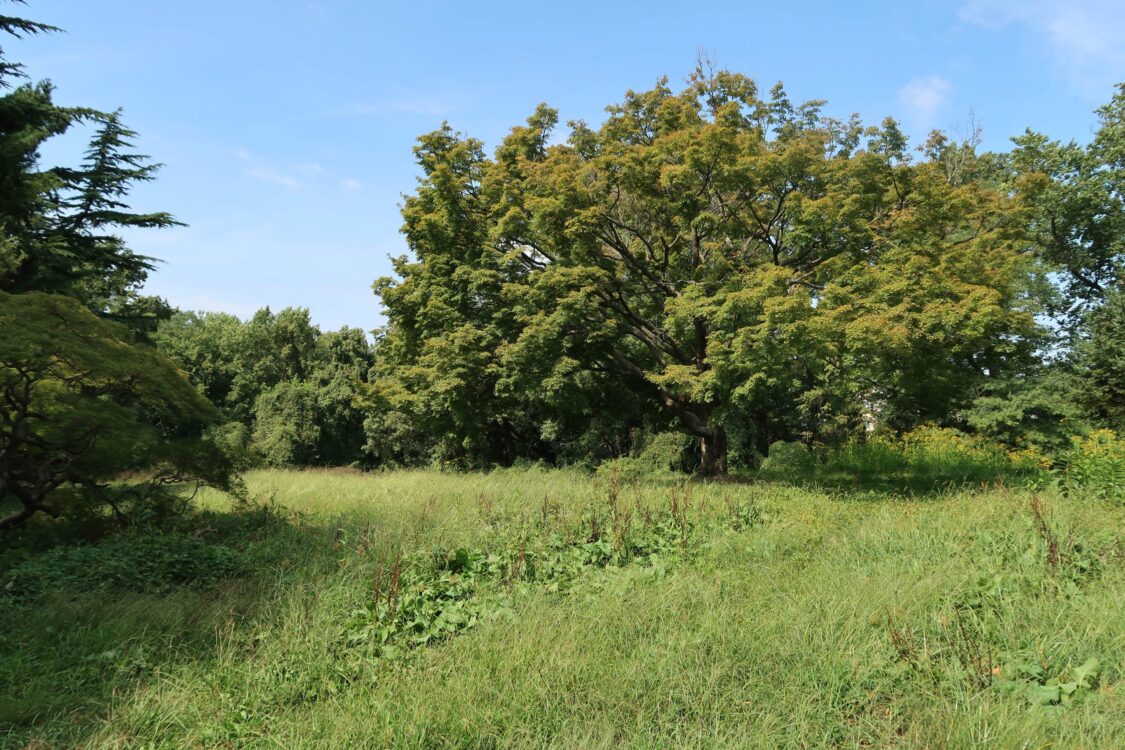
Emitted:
<point x="90" y="209"/>
<point x="59" y="226"/>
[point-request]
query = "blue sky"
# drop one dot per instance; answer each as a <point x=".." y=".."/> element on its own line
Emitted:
<point x="286" y="126"/>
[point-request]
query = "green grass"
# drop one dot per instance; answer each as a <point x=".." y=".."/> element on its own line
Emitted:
<point x="761" y="616"/>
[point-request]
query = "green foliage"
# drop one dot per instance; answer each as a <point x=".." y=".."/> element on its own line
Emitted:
<point x="1075" y="196"/>
<point x="1101" y="362"/>
<point x="87" y="257"/>
<point x="142" y="561"/>
<point x="393" y="439"/>
<point x="293" y="388"/>
<point x="1031" y="680"/>
<point x="60" y="227"/>
<point x="788" y="459"/>
<point x="1035" y="410"/>
<point x="666" y="450"/>
<point x="81" y="405"/>
<point x="659" y="456"/>
<point x="922" y="459"/>
<point x="206" y="346"/>
<point x="285" y="425"/>
<point x="1095" y="467"/>
<point x="421" y="601"/>
<point x="233" y="439"/>
<point x="728" y="261"/>
<point x="233" y="362"/>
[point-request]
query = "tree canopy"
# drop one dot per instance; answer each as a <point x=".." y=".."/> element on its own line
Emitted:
<point x="1076" y="196"/>
<point x="710" y="251"/>
<point x="713" y="260"/>
<point x="291" y="387"/>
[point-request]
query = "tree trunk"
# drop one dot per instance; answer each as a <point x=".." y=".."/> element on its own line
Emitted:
<point x="29" y="505"/>
<point x="694" y="417"/>
<point x="713" y="452"/>
<point x="16" y="518"/>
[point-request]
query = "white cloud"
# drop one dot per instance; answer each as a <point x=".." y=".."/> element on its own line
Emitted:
<point x="923" y="98"/>
<point x="292" y="178"/>
<point x="271" y="175"/>
<point x="260" y="170"/>
<point x="1086" y="38"/>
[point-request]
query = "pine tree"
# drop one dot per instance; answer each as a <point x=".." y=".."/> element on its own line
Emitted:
<point x="89" y="209"/>
<point x="59" y="225"/>
<point x="28" y="117"/>
<point x="18" y="27"/>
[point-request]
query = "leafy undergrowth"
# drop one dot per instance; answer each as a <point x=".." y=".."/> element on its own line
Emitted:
<point x="144" y="561"/>
<point x="198" y="552"/>
<point x="549" y="609"/>
<point x="428" y="596"/>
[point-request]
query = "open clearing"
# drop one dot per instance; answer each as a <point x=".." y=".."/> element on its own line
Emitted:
<point x="527" y="608"/>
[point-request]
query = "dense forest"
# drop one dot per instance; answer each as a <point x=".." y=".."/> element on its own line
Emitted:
<point x="709" y="272"/>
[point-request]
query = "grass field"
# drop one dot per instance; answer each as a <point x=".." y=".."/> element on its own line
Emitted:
<point x="551" y="609"/>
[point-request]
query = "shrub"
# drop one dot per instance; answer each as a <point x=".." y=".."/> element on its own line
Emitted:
<point x="939" y="451"/>
<point x="665" y="451"/>
<point x="660" y="455"/>
<point x="791" y="459"/>
<point x="1095" y="466"/>
<point x="927" y="454"/>
<point x="137" y="561"/>
<point x="629" y="469"/>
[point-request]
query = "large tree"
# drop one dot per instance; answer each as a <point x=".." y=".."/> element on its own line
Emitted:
<point x="441" y="391"/>
<point x="707" y="250"/>
<point x="80" y="401"/>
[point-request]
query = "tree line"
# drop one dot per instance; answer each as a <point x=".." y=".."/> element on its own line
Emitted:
<point x="715" y="263"/>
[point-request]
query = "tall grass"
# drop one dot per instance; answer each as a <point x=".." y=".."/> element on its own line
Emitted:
<point x="1095" y="467"/>
<point x="784" y="617"/>
<point x="924" y="460"/>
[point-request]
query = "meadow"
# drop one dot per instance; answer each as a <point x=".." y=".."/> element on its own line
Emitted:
<point x="527" y="608"/>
